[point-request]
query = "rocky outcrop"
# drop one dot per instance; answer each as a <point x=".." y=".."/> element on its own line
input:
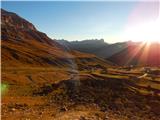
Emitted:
<point x="13" y="20"/>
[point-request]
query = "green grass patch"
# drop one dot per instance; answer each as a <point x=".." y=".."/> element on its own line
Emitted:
<point x="4" y="88"/>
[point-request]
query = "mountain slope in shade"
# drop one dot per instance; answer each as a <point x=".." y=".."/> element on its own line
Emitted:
<point x="97" y="47"/>
<point x="145" y="54"/>
<point x="23" y="45"/>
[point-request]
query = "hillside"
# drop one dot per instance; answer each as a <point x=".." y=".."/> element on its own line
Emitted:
<point x="23" y="45"/>
<point x="133" y="53"/>
<point x="45" y="80"/>
<point x="97" y="47"/>
<point x="138" y="54"/>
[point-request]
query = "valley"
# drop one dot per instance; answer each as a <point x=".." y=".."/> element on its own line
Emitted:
<point x="43" y="79"/>
<point x="68" y="94"/>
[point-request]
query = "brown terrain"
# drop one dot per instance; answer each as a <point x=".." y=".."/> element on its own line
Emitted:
<point x="142" y="54"/>
<point x="44" y="80"/>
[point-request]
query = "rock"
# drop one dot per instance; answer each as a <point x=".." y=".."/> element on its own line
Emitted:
<point x="13" y="109"/>
<point x="82" y="118"/>
<point x="40" y="113"/>
<point x="106" y="117"/>
<point x="63" y="109"/>
<point x="27" y="119"/>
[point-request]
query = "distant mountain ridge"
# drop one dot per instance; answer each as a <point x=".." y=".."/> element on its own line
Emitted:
<point x="95" y="46"/>
<point x="23" y="45"/>
<point x="122" y="53"/>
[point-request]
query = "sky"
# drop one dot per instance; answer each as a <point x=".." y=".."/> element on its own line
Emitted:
<point x="112" y="21"/>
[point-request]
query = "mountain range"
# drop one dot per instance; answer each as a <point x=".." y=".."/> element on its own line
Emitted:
<point x="46" y="79"/>
<point x="23" y="45"/>
<point x="122" y="53"/>
<point x="95" y="46"/>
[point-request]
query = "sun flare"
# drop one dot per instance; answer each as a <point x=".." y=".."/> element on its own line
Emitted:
<point x="144" y="32"/>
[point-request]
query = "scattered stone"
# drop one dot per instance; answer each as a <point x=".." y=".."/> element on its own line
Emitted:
<point x="63" y="109"/>
<point x="40" y="113"/>
<point x="106" y="117"/>
<point x="13" y="109"/>
<point x="27" y="119"/>
<point x="82" y="118"/>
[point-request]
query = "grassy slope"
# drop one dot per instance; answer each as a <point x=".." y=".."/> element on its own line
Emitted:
<point x="40" y="78"/>
<point x="123" y="97"/>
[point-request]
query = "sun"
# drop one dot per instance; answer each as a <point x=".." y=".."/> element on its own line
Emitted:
<point x="144" y="32"/>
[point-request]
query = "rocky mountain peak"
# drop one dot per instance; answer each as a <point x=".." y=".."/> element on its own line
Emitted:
<point x="13" y="20"/>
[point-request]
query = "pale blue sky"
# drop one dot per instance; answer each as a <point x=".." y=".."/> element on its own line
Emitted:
<point x="80" y="20"/>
